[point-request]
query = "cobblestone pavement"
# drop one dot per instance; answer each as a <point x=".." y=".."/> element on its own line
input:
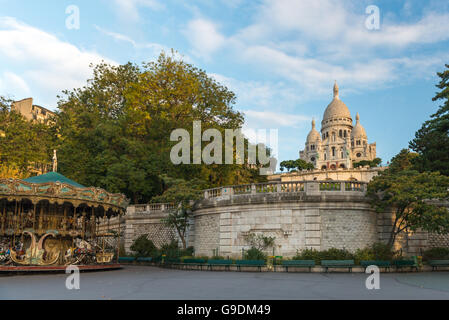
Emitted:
<point x="143" y="282"/>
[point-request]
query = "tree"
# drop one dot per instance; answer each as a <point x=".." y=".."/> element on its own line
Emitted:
<point x="115" y="131"/>
<point x="431" y="141"/>
<point x="371" y="163"/>
<point x="22" y="142"/>
<point x="182" y="194"/>
<point x="410" y="195"/>
<point x="143" y="247"/>
<point x="298" y="164"/>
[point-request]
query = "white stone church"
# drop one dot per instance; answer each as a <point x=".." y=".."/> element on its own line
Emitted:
<point x="340" y="143"/>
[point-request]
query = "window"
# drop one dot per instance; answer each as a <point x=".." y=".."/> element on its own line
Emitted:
<point x="333" y="151"/>
<point x="340" y="133"/>
<point x="325" y="156"/>
<point x="342" y="166"/>
<point x="323" y="168"/>
<point x="345" y="133"/>
<point x="358" y="143"/>
<point x="312" y="159"/>
<point x="358" y="155"/>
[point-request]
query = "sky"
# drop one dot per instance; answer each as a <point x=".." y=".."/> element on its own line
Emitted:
<point x="280" y="57"/>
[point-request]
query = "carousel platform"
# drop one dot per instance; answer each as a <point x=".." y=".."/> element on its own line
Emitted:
<point x="4" y="270"/>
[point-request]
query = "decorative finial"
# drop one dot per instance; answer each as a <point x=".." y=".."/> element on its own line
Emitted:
<point x="313" y="123"/>
<point x="335" y="90"/>
<point x="357" y="117"/>
<point x="55" y="162"/>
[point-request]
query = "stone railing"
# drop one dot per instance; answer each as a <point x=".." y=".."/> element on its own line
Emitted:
<point x="149" y="208"/>
<point x="307" y="187"/>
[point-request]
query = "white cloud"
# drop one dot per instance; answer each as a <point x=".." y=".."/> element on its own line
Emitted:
<point x="272" y="119"/>
<point x="13" y="82"/>
<point x="48" y="64"/>
<point x="204" y="37"/>
<point x="313" y="43"/>
<point x="129" y="9"/>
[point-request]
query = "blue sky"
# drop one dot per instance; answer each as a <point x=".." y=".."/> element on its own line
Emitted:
<point x="280" y="57"/>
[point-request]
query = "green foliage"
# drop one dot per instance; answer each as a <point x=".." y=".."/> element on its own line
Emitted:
<point x="293" y="165"/>
<point x="143" y="247"/>
<point x="259" y="241"/>
<point x="254" y="254"/>
<point x="115" y="131"/>
<point x="378" y="251"/>
<point x="371" y="163"/>
<point x="171" y="250"/>
<point x="439" y="253"/>
<point x="22" y="142"/>
<point x="330" y="254"/>
<point x="431" y="141"/>
<point x="410" y="194"/>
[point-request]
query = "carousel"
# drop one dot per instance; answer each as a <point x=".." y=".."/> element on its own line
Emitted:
<point x="50" y="222"/>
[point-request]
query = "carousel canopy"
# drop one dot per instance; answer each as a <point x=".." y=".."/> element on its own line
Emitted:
<point x="53" y="177"/>
<point x="56" y="188"/>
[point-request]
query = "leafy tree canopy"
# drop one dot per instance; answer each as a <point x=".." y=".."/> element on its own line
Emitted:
<point x="411" y="195"/>
<point x="298" y="164"/>
<point x="115" y="131"/>
<point x="431" y="141"/>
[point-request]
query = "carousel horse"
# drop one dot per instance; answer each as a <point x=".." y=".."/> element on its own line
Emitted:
<point x="35" y="254"/>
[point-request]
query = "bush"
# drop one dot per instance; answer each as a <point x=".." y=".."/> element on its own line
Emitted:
<point x="330" y="254"/>
<point x="378" y="251"/>
<point x="438" y="253"/>
<point x="254" y="254"/>
<point x="143" y="247"/>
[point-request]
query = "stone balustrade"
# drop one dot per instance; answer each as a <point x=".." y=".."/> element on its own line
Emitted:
<point x="307" y="187"/>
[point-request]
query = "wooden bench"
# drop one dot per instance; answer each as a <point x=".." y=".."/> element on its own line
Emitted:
<point x="337" y="264"/>
<point x="144" y="259"/>
<point x="171" y="261"/>
<point x="194" y="262"/>
<point x="126" y="259"/>
<point x="405" y="264"/>
<point x="298" y="264"/>
<point x="250" y="263"/>
<point x="218" y="262"/>
<point x="438" y="263"/>
<point x="378" y="263"/>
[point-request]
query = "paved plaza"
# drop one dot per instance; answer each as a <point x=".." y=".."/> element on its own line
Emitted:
<point x="143" y="282"/>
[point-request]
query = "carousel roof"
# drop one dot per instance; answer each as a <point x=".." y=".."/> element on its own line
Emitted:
<point x="53" y="177"/>
<point x="56" y="188"/>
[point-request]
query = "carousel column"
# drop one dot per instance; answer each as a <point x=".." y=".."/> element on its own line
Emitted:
<point x="4" y="218"/>
<point x="118" y="238"/>
<point x="83" y="221"/>
<point x="34" y="215"/>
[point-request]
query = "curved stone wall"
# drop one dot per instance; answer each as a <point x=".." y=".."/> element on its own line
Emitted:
<point x="307" y="218"/>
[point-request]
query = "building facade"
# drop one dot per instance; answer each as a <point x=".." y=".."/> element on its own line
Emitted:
<point x="31" y="111"/>
<point x="340" y="143"/>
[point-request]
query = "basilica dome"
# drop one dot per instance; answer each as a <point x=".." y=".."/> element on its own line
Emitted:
<point x="313" y="135"/>
<point x="337" y="108"/>
<point x="359" y="130"/>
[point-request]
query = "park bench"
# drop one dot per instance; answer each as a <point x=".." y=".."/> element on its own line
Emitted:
<point x="438" y="263"/>
<point x="405" y="264"/>
<point x="194" y="262"/>
<point x="219" y="262"/>
<point x="171" y="261"/>
<point x="250" y="263"/>
<point x="145" y="259"/>
<point x="126" y="259"/>
<point x="298" y="264"/>
<point x="378" y="263"/>
<point x="337" y="264"/>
